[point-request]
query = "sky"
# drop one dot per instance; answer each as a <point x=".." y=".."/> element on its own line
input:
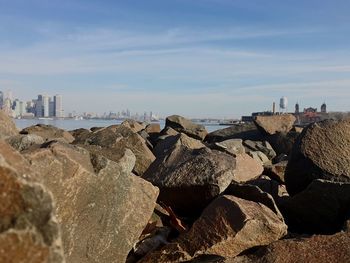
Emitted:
<point x="196" y="58"/>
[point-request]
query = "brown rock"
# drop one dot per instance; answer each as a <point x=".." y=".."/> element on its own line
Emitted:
<point x="239" y="131"/>
<point x="49" y="133"/>
<point x="231" y="146"/>
<point x="7" y="126"/>
<point x="153" y="128"/>
<point x="186" y="126"/>
<point x="133" y="125"/>
<point x="23" y="142"/>
<point x="326" y="249"/>
<point x="227" y="227"/>
<point x="247" y="168"/>
<point x="321" y="152"/>
<point x="80" y="135"/>
<point x="189" y="179"/>
<point x="28" y="228"/>
<point x="276" y="123"/>
<point x="276" y="171"/>
<point x="172" y="141"/>
<point x="101" y="215"/>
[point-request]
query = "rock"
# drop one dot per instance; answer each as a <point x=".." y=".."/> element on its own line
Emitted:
<point x="153" y="128"/>
<point x="276" y="171"/>
<point x="168" y="131"/>
<point x="263" y="147"/>
<point x="276" y="190"/>
<point x="190" y="179"/>
<point x="115" y="139"/>
<point x="321" y="208"/>
<point x="23" y="142"/>
<point x="181" y="124"/>
<point x="231" y="146"/>
<point x="49" y="133"/>
<point x="133" y="125"/>
<point x="80" y="135"/>
<point x="240" y="131"/>
<point x="94" y="129"/>
<point x="322" y="151"/>
<point x="283" y="143"/>
<point x="326" y="249"/>
<point x="28" y="229"/>
<point x="227" y="227"/>
<point x="7" y="126"/>
<point x="276" y="123"/>
<point x="253" y="193"/>
<point x="101" y="215"/>
<point x="172" y="141"/>
<point x="260" y="157"/>
<point x="247" y="168"/>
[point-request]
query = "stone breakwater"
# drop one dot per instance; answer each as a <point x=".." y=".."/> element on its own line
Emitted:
<point x="260" y="192"/>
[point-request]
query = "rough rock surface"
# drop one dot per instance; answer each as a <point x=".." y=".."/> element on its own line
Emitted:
<point x="260" y="157"/>
<point x="115" y="139"/>
<point x="322" y="151"/>
<point x="227" y="227"/>
<point x="240" y="131"/>
<point x="101" y="214"/>
<point x="186" y="126"/>
<point x="263" y="147"/>
<point x="80" y="135"/>
<point x="49" y="133"/>
<point x="189" y="179"/>
<point x="28" y="228"/>
<point x="153" y="128"/>
<point x="326" y="249"/>
<point x="7" y="126"/>
<point x="135" y="126"/>
<point x="276" y="171"/>
<point x="172" y="141"/>
<point x="321" y="208"/>
<point x="282" y="142"/>
<point x="23" y="142"/>
<point x="276" y="123"/>
<point x="247" y="168"/>
<point x="231" y="146"/>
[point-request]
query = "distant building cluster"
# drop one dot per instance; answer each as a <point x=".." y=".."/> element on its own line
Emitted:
<point x="42" y="107"/>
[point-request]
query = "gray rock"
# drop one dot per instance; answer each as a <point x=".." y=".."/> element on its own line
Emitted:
<point x="263" y="147"/>
<point x="322" y="151"/>
<point x="321" y="208"/>
<point x="189" y="179"/>
<point x="181" y="124"/>
<point x="232" y="146"/>
<point x="240" y="131"/>
<point x="24" y="142"/>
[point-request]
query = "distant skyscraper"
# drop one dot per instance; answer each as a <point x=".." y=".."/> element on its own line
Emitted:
<point x="324" y="108"/>
<point x="297" y="108"/>
<point x="57" y="99"/>
<point x="46" y="105"/>
<point x="1" y="99"/>
<point x="51" y="108"/>
<point x="39" y="107"/>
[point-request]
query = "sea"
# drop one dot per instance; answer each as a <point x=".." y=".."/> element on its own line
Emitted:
<point x="72" y="124"/>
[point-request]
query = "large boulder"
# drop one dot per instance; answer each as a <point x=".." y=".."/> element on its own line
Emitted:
<point x="102" y="207"/>
<point x="318" y="248"/>
<point x="276" y="171"/>
<point x="283" y="142"/>
<point x="176" y="140"/>
<point x="190" y="179"/>
<point x="80" y="135"/>
<point x="321" y="208"/>
<point x="135" y="126"/>
<point x="270" y="125"/>
<point x="7" y="126"/>
<point x="243" y="131"/>
<point x="247" y="168"/>
<point x="322" y="151"/>
<point x="49" y="132"/>
<point x="186" y="126"/>
<point x="227" y="227"/>
<point x="113" y="141"/>
<point x="28" y="229"/>
<point x="231" y="146"/>
<point x="263" y="147"/>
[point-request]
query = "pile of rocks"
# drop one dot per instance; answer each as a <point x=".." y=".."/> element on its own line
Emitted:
<point x="259" y="192"/>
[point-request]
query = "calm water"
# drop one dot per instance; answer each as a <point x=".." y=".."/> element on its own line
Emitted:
<point x="87" y="124"/>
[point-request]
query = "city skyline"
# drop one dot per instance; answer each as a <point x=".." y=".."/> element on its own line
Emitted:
<point x="210" y="58"/>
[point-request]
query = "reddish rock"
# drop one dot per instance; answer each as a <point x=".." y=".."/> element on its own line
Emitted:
<point x="7" y="126"/>
<point x="186" y="126"/>
<point x="247" y="168"/>
<point x="49" y="133"/>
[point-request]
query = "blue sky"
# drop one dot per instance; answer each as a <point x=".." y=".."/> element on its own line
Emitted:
<point x="214" y="58"/>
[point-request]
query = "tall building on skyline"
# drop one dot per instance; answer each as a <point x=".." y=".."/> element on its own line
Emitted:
<point x="1" y="99"/>
<point x="46" y="105"/>
<point x="58" y="109"/>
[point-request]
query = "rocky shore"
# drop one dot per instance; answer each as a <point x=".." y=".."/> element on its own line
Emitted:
<point x="260" y="192"/>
